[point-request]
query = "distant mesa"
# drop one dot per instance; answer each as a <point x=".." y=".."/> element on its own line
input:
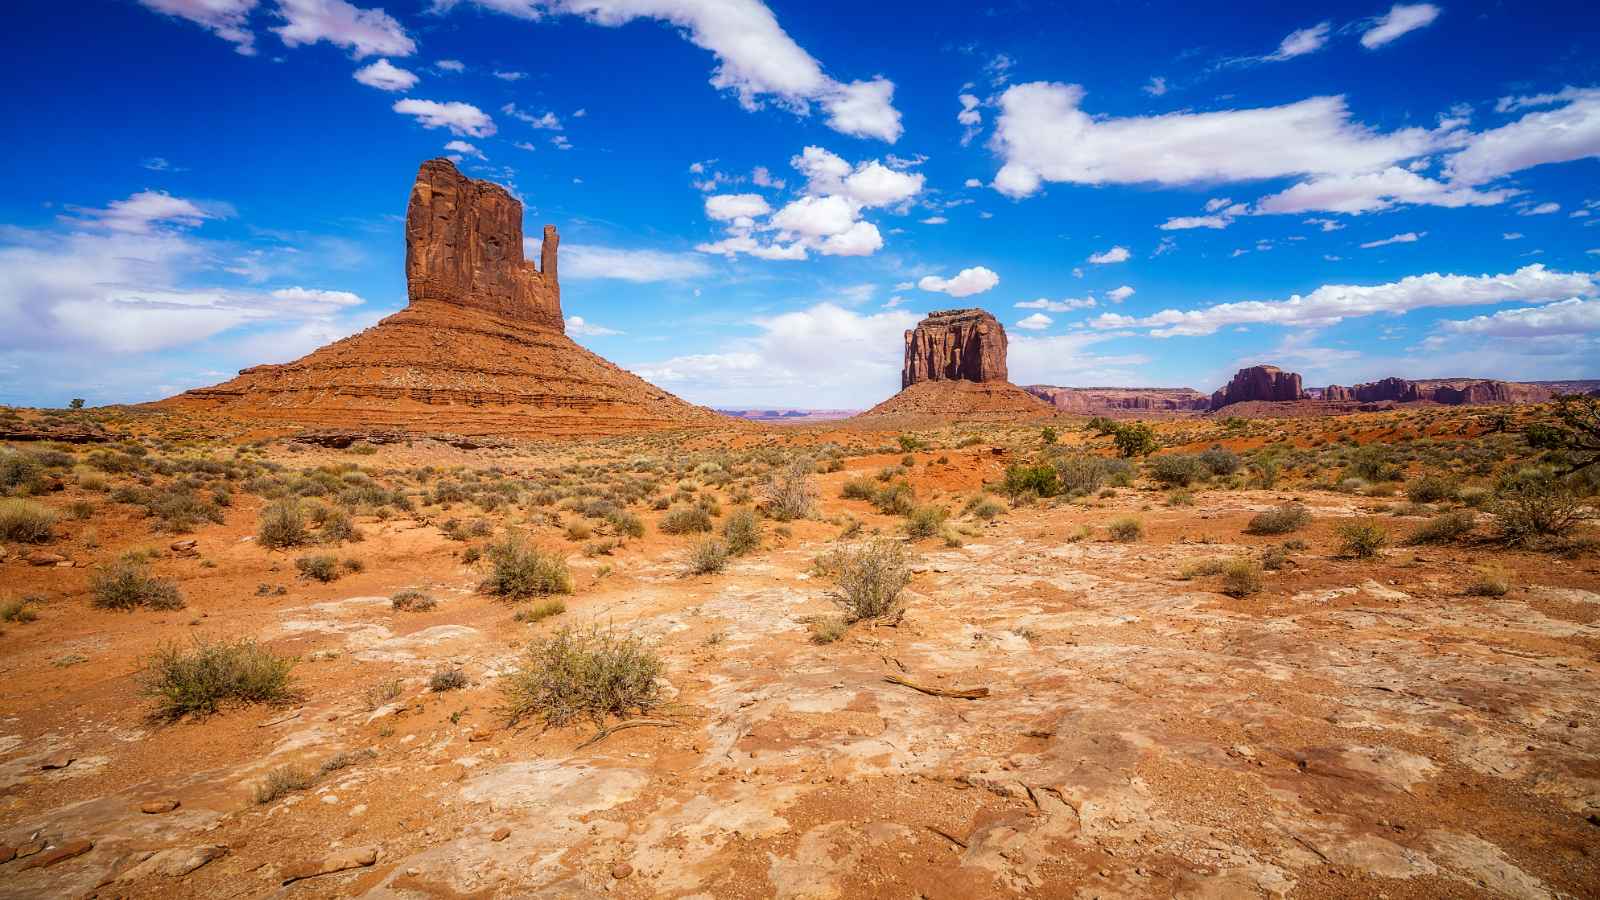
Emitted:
<point x="1268" y="384"/>
<point x="1095" y="400"/>
<point x="480" y="349"/>
<point x="955" y="367"/>
<point x="1447" y="391"/>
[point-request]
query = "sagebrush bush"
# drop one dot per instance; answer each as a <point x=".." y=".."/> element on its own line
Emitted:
<point x="519" y="569"/>
<point x="741" y="532"/>
<point x="127" y="583"/>
<point x="860" y="488"/>
<point x="1536" y="507"/>
<point x="870" y="577"/>
<point x="542" y="610"/>
<point x="1241" y="578"/>
<point x="1039" y="480"/>
<point x="1126" y="530"/>
<point x="1361" y="540"/>
<point x="1280" y="519"/>
<point x="199" y="679"/>
<point x="984" y="507"/>
<point x="685" y="520"/>
<point x="1221" y="461"/>
<point x="1180" y="469"/>
<point x="1490" y="581"/>
<point x="574" y="675"/>
<point x="707" y="555"/>
<point x="1432" y="488"/>
<point x="827" y="629"/>
<point x="282" y="524"/>
<point x="412" y="600"/>
<point x="1443" y="528"/>
<point x="925" y="521"/>
<point x="26" y="522"/>
<point x="789" y="494"/>
<point x="448" y="678"/>
<point x="319" y="566"/>
<point x="897" y="499"/>
<point x="283" y="780"/>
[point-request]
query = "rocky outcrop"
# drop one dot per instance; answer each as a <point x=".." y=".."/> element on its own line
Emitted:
<point x="1259" y="383"/>
<point x="1089" y="401"/>
<point x="1448" y="391"/>
<point x="955" y="345"/>
<point x="480" y="349"/>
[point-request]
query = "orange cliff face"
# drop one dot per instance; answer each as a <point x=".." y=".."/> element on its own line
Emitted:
<point x="955" y="368"/>
<point x="481" y="348"/>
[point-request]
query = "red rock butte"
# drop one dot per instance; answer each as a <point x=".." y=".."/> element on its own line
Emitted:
<point x="955" y="367"/>
<point x="480" y="349"/>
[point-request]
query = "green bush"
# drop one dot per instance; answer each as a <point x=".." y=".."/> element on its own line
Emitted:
<point x="1361" y="540"/>
<point x="1432" y="489"/>
<point x="319" y="566"/>
<point x="1241" y="578"/>
<point x="1180" y="469"/>
<point x="25" y="521"/>
<point x="1040" y="480"/>
<point x="200" y="679"/>
<point x="127" y="583"/>
<point x="858" y="489"/>
<point x="1536" y="507"/>
<point x="1080" y="473"/>
<point x="789" y="494"/>
<point x="983" y="507"/>
<point x="1443" y="528"/>
<point x="574" y="675"/>
<point x="1135" y="439"/>
<point x="1280" y="519"/>
<point x="685" y="520"/>
<point x="542" y="610"/>
<point x="519" y="569"/>
<point x="741" y="532"/>
<point x="1221" y="462"/>
<point x="925" y="521"/>
<point x="412" y="600"/>
<point x="283" y="524"/>
<point x="897" y="499"/>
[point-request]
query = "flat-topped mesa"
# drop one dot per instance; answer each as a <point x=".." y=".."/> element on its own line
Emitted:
<point x="1263" y="383"/>
<point x="955" y="345"/>
<point x="464" y="248"/>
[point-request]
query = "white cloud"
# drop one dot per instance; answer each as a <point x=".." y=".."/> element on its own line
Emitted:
<point x="589" y="262"/>
<point x="760" y="177"/>
<point x="578" y="326"/>
<point x="833" y="356"/>
<point x="546" y="122"/>
<point x="1543" y="209"/>
<point x="227" y="19"/>
<point x="364" y="32"/>
<point x="452" y="65"/>
<point x="1156" y="86"/>
<point x="143" y="212"/>
<point x="1571" y="316"/>
<point x="1181" y="223"/>
<point x="860" y="239"/>
<point x="967" y="282"/>
<point x="1035" y="322"/>
<point x="728" y="207"/>
<point x="386" y="76"/>
<point x="1120" y="294"/>
<point x="464" y="148"/>
<point x="972" y="183"/>
<point x="510" y="76"/>
<point x="1114" y="255"/>
<point x="1410" y="237"/>
<point x="1058" y="306"/>
<point x="1568" y="133"/>
<point x="756" y="58"/>
<point x="935" y="220"/>
<point x="1400" y="19"/>
<point x="1044" y="135"/>
<point x="1512" y="235"/>
<point x="461" y="118"/>
<point x="1067" y="359"/>
<point x="969" y="117"/>
<point x="1512" y="104"/>
<point x="1333" y="303"/>
<point x="1299" y="43"/>
<point x="816" y="216"/>
<point x="315" y="298"/>
<point x="1375" y="191"/>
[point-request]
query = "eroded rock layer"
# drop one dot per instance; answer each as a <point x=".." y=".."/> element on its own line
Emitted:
<point x="1089" y="401"/>
<point x="480" y="349"/>
<point x="1452" y="392"/>
<point x="961" y="400"/>
<point x="1259" y="383"/>
<point x="955" y="345"/>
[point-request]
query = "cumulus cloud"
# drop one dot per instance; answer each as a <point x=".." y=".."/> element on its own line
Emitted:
<point x="828" y="218"/>
<point x="967" y="282"/>
<point x="1374" y="191"/>
<point x="144" y="212"/>
<point x="1401" y="18"/>
<point x="1333" y="303"/>
<point x="1571" y="316"/>
<point x="1120" y="294"/>
<point x="1182" y="223"/>
<point x="364" y="32"/>
<point x="461" y="118"/>
<point x="386" y="76"/>
<point x="227" y="19"/>
<point x="1156" y="86"/>
<point x="1410" y="237"/>
<point x="1035" y="322"/>
<point x="1114" y="255"/>
<point x="756" y="59"/>
<point x="578" y="326"/>
<point x="548" y="121"/>
<point x="969" y="117"/>
<point x="463" y="148"/>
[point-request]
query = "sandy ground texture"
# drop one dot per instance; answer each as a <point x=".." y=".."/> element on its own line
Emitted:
<point x="1360" y="729"/>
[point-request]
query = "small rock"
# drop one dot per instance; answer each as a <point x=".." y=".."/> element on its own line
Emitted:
<point x="157" y="807"/>
<point x="174" y="862"/>
<point x="500" y="834"/>
<point x="44" y="558"/>
<point x="7" y="854"/>
<point x="184" y="545"/>
<point x="478" y="736"/>
<point x="60" y="853"/>
<point x="338" y="861"/>
<point x="59" y="761"/>
<point x="621" y="871"/>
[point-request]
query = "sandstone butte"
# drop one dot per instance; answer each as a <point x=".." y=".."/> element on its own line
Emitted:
<point x="480" y="349"/>
<point x="955" y="367"/>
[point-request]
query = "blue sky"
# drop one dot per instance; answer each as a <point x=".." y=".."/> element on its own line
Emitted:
<point x="755" y="200"/>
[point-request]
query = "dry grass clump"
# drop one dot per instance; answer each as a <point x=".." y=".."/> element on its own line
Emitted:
<point x="283" y="780"/>
<point x="1361" y="540"/>
<point x="1280" y="519"/>
<point x="789" y="493"/>
<point x="897" y="499"/>
<point x="860" y="488"/>
<point x="1241" y="578"/>
<point x="1443" y="528"/>
<point x="127" y="583"/>
<point x="519" y="569"/>
<point x="827" y="629"/>
<point x="1490" y="581"/>
<point x="412" y="600"/>
<point x="200" y="679"/>
<point x="685" y="520"/>
<point x="741" y="532"/>
<point x="925" y="521"/>
<point x="542" y="610"/>
<point x="1126" y="530"/>
<point x="573" y="675"/>
<point x="19" y="611"/>
<point x="26" y="522"/>
<point x="1201" y="568"/>
<point x="984" y="507"/>
<point x="707" y="556"/>
<point x="282" y="524"/>
<point x="325" y="567"/>
<point x="870" y="577"/>
<point x="448" y="678"/>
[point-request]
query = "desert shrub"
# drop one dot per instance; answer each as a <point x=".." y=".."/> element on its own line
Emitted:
<point x="685" y="520"/>
<point x="1274" y="558"/>
<point x="789" y="494"/>
<point x="1079" y="473"/>
<point x="1361" y="540"/>
<point x="1126" y="530"/>
<point x="180" y="509"/>
<point x="1040" y="480"/>
<point x="579" y="530"/>
<point x="282" y="524"/>
<point x="1102" y="426"/>
<point x="20" y="473"/>
<point x="1200" y="568"/>
<point x="741" y="532"/>
<point x="1241" y="578"/>
<point x="127" y="583"/>
<point x="25" y="521"/>
<point x="319" y="566"/>
<point x="1373" y="463"/>
<point x="827" y="629"/>
<point x="1443" y="528"/>
<point x="1267" y="469"/>
<point x="283" y="780"/>
<point x="1490" y="581"/>
<point x="983" y="507"/>
<point x="1535" y="506"/>
<point x="542" y="610"/>
<point x="1280" y="519"/>
<point x="707" y="555"/>
<point x="1048" y="435"/>
<point x="336" y="526"/>
<point x="1221" y="461"/>
<point x="625" y="523"/>
<point x="897" y="499"/>
<point x="519" y="569"/>
<point x="1432" y="489"/>
<point x="573" y="675"/>
<point x="909" y="444"/>
<point x="18" y="611"/>
<point x="858" y="489"/>
<point x="870" y="577"/>
<point x="1179" y="469"/>
<point x="412" y="600"/>
<point x="448" y="678"/>
<point x="1475" y="497"/>
<point x="1135" y="439"/>
<point x="925" y="521"/>
<point x="199" y="679"/>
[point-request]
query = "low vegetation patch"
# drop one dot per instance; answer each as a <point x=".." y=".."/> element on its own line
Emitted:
<point x="574" y="675"/>
<point x="1490" y="581"/>
<point x="412" y="600"/>
<point x="283" y="524"/>
<point x="281" y="781"/>
<point x="26" y="522"/>
<point x="1444" y="528"/>
<point x="925" y="521"/>
<point x="199" y="679"/>
<point x="1280" y="519"/>
<point x="685" y="520"/>
<point x="127" y="583"/>
<point x="870" y="578"/>
<point x="518" y="569"/>
<point x="1241" y="578"/>
<point x="707" y="555"/>
<point x="1361" y="540"/>
<point x="542" y="610"/>
<point x="1126" y="530"/>
<point x="741" y="532"/>
<point x="789" y="493"/>
<point x="448" y="678"/>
